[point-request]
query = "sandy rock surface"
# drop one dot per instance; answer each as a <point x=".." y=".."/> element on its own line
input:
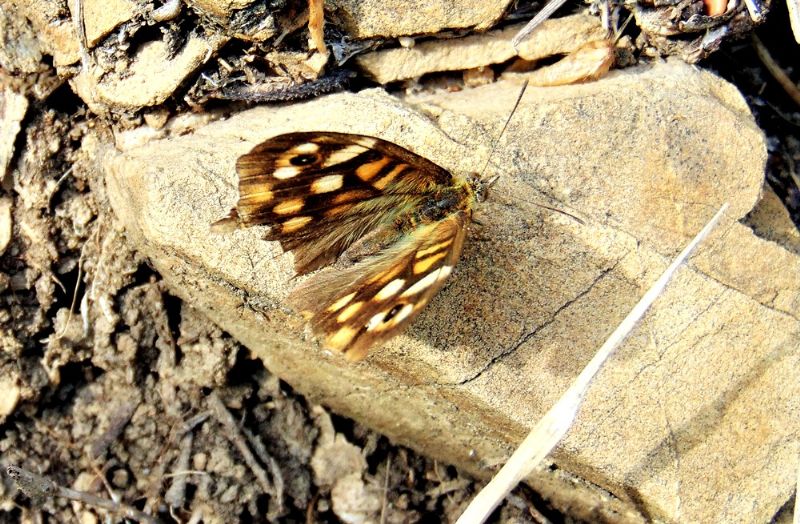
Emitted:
<point x="687" y="423"/>
<point x="554" y="37"/>
<point x="381" y="18"/>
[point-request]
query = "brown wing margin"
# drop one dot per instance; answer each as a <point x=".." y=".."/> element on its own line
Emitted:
<point x="369" y="303"/>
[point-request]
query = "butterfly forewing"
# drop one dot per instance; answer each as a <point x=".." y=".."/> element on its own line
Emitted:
<point x="321" y="192"/>
<point x="365" y="305"/>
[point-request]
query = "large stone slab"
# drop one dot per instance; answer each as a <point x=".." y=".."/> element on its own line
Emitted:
<point x="693" y="418"/>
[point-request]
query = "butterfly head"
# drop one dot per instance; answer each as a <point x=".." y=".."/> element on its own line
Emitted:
<point x="480" y="186"/>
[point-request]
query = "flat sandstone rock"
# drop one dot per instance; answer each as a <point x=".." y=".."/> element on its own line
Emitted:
<point x="692" y="419"/>
<point x="390" y="18"/>
<point x="152" y="77"/>
<point x="552" y="37"/>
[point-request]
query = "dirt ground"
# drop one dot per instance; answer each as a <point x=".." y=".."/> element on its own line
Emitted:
<point x="119" y="390"/>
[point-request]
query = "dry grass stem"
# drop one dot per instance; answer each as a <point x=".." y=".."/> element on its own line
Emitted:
<point x="546" y="12"/>
<point x="775" y="70"/>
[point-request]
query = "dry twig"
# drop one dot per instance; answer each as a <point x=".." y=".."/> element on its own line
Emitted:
<point x="234" y="434"/>
<point x="274" y="470"/>
<point x="76" y="9"/>
<point x="316" y="23"/>
<point x="775" y="70"/>
<point x="546" y="12"/>
<point x="386" y="490"/>
<point x="176" y="494"/>
<point x="40" y="488"/>
<point x="117" y="422"/>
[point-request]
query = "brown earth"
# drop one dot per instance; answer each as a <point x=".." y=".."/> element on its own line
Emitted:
<point x="112" y="386"/>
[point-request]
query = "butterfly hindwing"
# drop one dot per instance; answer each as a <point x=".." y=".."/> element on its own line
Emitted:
<point x="321" y="192"/>
<point x="365" y="305"/>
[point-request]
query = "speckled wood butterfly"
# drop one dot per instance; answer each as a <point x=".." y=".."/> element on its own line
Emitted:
<point x="398" y="218"/>
<point x="401" y="217"/>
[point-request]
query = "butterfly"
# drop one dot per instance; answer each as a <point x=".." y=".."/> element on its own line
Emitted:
<point x="384" y="227"/>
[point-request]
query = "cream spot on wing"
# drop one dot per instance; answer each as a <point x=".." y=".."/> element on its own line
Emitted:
<point x="367" y="171"/>
<point x="341" y="338"/>
<point x="402" y="314"/>
<point x="287" y="207"/>
<point x="295" y="223"/>
<point x="422" y="284"/>
<point x="349" y="311"/>
<point x="366" y="141"/>
<point x="390" y="289"/>
<point x="306" y="148"/>
<point x="384" y="181"/>
<point x="341" y="156"/>
<point x="327" y="184"/>
<point x="342" y="302"/>
<point x="285" y="172"/>
<point x="422" y="253"/>
<point x="444" y="272"/>
<point x="425" y="264"/>
<point x="375" y="320"/>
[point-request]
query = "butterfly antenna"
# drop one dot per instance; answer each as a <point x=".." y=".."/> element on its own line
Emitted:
<point x="497" y="139"/>
<point x="561" y="211"/>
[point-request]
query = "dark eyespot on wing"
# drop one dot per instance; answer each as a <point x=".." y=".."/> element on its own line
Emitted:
<point x="304" y="159"/>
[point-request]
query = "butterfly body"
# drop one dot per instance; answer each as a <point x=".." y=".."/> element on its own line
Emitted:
<point x="440" y="204"/>
<point x="384" y="226"/>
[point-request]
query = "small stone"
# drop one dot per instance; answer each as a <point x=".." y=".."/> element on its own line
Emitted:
<point x="336" y="460"/>
<point x="54" y="31"/>
<point x="6" y="225"/>
<point x="9" y="396"/>
<point x="87" y="517"/>
<point x="229" y="495"/>
<point x="354" y="502"/>
<point x="478" y="76"/>
<point x="406" y="41"/>
<point x="13" y="107"/>
<point x="100" y="17"/>
<point x="120" y="478"/>
<point x="157" y="119"/>
<point x="199" y="461"/>
<point x="219" y="8"/>
<point x="151" y="77"/>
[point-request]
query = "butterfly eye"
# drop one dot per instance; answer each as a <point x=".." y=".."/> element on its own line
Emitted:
<point x="303" y="160"/>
